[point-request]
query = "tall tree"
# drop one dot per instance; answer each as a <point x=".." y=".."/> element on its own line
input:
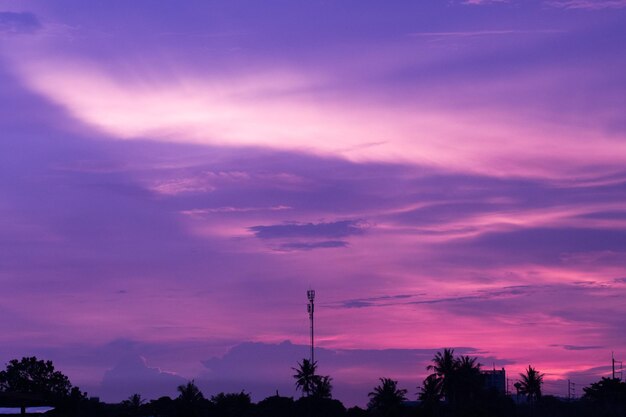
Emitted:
<point x="430" y="391"/>
<point x="190" y="399"/>
<point x="530" y="384"/>
<point x="468" y="381"/>
<point x="322" y="387"/>
<point x="457" y="379"/>
<point x="190" y="393"/>
<point x="444" y="365"/>
<point x="305" y="376"/>
<point x="386" y="397"/>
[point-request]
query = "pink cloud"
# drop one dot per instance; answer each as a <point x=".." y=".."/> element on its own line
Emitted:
<point x="274" y="110"/>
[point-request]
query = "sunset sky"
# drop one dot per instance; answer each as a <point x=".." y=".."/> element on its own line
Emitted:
<point x="175" y="175"/>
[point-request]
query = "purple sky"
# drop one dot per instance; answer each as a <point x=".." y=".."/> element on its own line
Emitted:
<point x="174" y="177"/>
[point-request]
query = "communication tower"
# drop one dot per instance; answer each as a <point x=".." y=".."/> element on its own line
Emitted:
<point x="310" y="294"/>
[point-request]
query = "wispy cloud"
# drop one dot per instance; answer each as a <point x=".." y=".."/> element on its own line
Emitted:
<point x="340" y="228"/>
<point x="284" y="109"/>
<point x="588" y="4"/>
<point x="577" y="347"/>
<point x="424" y="298"/>
<point x="182" y="185"/>
<point x="474" y="33"/>
<point x="483" y="2"/>
<point x="12" y="23"/>
<point x="325" y="244"/>
<point x="231" y="209"/>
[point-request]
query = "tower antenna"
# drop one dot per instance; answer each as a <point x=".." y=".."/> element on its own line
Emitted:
<point x="310" y="294"/>
<point x="619" y="370"/>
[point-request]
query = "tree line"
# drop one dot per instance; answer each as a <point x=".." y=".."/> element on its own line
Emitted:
<point x="455" y="386"/>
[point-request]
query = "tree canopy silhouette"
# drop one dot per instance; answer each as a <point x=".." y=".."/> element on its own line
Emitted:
<point x="609" y="393"/>
<point x="34" y="376"/>
<point x="322" y="387"/>
<point x="231" y="404"/>
<point x="455" y="379"/>
<point x="530" y="384"/>
<point x="444" y="365"/>
<point x="31" y="381"/>
<point x="189" y="393"/>
<point x="305" y="376"/>
<point x="430" y="391"/>
<point x="386" y="397"/>
<point x="190" y="399"/>
<point x="132" y="405"/>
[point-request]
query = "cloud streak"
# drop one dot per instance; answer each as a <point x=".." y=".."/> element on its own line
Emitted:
<point x="588" y="4"/>
<point x="341" y="228"/>
<point x="13" y="23"/>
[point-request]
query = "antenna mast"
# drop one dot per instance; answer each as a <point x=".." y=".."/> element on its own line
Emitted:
<point x="619" y="371"/>
<point x="310" y="294"/>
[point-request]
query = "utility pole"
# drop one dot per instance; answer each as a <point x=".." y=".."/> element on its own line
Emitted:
<point x="571" y="390"/>
<point x="310" y="294"/>
<point x="613" y="362"/>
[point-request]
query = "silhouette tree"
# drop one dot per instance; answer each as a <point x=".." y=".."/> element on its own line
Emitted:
<point x="31" y="375"/>
<point x="231" y="405"/>
<point x="190" y="399"/>
<point x="468" y="363"/>
<point x="530" y="384"/>
<point x="276" y="406"/>
<point x="322" y="387"/>
<point x="162" y="407"/>
<point x="34" y="381"/>
<point x="458" y="380"/>
<point x="189" y="393"/>
<point x="444" y="366"/>
<point x="606" y="397"/>
<point x="386" y="397"/>
<point x="430" y="391"/>
<point x="467" y="383"/>
<point x="133" y="404"/>
<point x="305" y="376"/>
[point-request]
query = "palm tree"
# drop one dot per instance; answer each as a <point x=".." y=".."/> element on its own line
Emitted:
<point x="468" y="380"/>
<point x="133" y="404"/>
<point x="322" y="387"/>
<point x="189" y="393"/>
<point x="444" y="366"/>
<point x="386" y="397"/>
<point x="190" y="399"/>
<point x="430" y="391"/>
<point x="468" y="363"/>
<point x="530" y="384"/>
<point x="305" y="376"/>
<point x="443" y="363"/>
